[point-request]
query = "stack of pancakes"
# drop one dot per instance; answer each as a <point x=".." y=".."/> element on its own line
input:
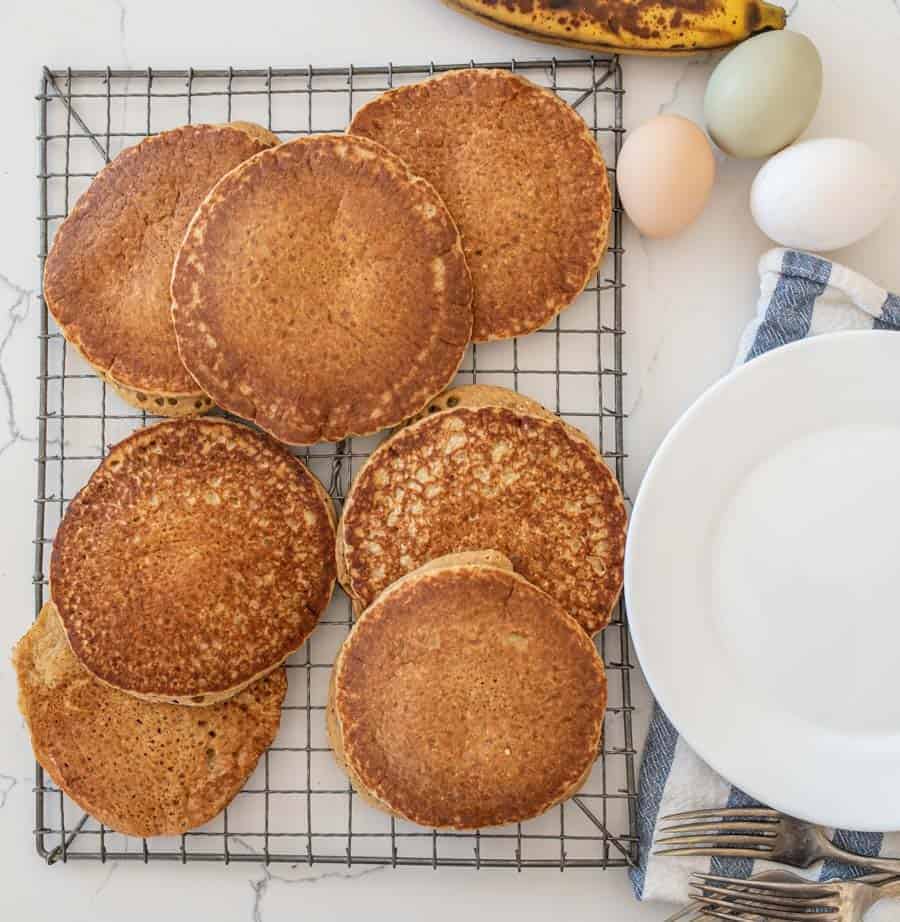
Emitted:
<point x="328" y="287"/>
<point x="197" y="558"/>
<point x="481" y="546"/>
<point x="325" y="288"/>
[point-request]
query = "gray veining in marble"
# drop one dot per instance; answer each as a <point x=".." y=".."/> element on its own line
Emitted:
<point x="15" y="314"/>
<point x="261" y="885"/>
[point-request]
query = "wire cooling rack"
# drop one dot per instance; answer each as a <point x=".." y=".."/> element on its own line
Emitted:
<point x="298" y="806"/>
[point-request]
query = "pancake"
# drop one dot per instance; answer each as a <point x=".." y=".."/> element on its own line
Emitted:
<point x="491" y="395"/>
<point x="106" y="280"/>
<point x="197" y="558"/>
<point x="491" y="470"/>
<point x="465" y="697"/>
<point x="522" y="176"/>
<point x="157" y="404"/>
<point x="322" y="291"/>
<point x="142" y="769"/>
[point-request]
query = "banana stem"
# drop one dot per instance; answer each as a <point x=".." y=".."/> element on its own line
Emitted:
<point x="768" y="16"/>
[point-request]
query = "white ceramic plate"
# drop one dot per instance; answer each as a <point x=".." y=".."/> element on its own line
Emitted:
<point x="762" y="576"/>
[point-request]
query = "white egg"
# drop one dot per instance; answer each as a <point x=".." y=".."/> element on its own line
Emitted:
<point x="823" y="194"/>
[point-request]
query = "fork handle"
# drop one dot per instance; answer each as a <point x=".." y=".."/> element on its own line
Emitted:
<point x="889" y="890"/>
<point x="828" y="849"/>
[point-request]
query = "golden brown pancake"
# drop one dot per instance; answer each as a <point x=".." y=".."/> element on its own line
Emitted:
<point x="107" y="275"/>
<point x="491" y="470"/>
<point x="141" y="768"/>
<point x="197" y="558"/>
<point x="322" y="291"/>
<point x="521" y="175"/>
<point x="490" y="395"/>
<point x="466" y="697"/>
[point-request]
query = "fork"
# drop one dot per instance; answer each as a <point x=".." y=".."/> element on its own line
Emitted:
<point x="757" y="832"/>
<point x="834" y="901"/>
<point x="695" y="907"/>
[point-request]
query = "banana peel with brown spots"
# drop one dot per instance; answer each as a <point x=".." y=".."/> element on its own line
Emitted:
<point x="649" y="27"/>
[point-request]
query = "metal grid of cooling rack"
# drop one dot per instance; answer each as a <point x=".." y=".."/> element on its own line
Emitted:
<point x="298" y="807"/>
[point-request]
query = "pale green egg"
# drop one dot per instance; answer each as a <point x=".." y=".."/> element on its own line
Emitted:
<point x="764" y="94"/>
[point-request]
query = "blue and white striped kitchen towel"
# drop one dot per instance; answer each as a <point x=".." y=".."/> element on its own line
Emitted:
<point x="801" y="295"/>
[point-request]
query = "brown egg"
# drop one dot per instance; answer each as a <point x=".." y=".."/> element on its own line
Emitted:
<point x="665" y="174"/>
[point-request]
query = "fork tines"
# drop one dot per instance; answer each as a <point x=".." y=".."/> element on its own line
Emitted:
<point x="726" y="898"/>
<point x="740" y="832"/>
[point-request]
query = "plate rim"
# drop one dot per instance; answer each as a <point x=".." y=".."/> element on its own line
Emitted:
<point x="752" y="367"/>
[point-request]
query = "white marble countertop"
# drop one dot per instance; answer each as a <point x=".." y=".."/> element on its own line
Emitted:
<point x="685" y="304"/>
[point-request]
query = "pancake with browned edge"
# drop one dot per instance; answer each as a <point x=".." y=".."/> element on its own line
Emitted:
<point x="141" y="768"/>
<point x="488" y="468"/>
<point x="465" y="697"/>
<point x="197" y="558"/>
<point x="108" y="272"/>
<point x="522" y="177"/>
<point x="322" y="291"/>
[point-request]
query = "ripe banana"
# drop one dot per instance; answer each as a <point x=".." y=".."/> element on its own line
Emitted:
<point x="664" y="27"/>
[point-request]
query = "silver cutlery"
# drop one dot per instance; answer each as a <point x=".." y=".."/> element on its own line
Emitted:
<point x="756" y="832"/>
<point x="794" y="900"/>
<point x="693" y="908"/>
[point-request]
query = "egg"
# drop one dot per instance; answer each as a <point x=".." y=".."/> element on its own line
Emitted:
<point x="823" y="194"/>
<point x="763" y="94"/>
<point x="665" y="174"/>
